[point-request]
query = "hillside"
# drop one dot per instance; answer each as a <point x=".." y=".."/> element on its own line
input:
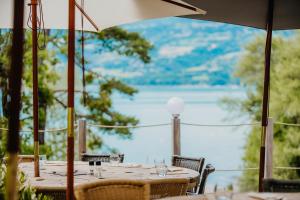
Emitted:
<point x="185" y="52"/>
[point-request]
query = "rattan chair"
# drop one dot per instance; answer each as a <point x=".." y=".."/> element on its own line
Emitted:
<point x="113" y="190"/>
<point x="275" y="185"/>
<point x="54" y="193"/>
<point x="190" y="163"/>
<point x="22" y="158"/>
<point x="161" y="188"/>
<point x="26" y="158"/>
<point x="208" y="170"/>
<point x="101" y="157"/>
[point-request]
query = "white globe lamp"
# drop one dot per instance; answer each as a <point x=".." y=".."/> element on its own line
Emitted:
<point x="175" y="106"/>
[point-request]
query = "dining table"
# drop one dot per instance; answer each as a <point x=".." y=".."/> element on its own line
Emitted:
<point x="239" y="196"/>
<point x="53" y="173"/>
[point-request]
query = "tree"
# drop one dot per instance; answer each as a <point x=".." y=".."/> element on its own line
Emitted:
<point x="99" y="107"/>
<point x="284" y="104"/>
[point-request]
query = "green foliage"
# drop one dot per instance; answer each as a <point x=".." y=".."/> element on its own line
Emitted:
<point x="125" y="43"/>
<point x="284" y="104"/>
<point x="100" y="106"/>
<point x="25" y="192"/>
<point x="52" y="103"/>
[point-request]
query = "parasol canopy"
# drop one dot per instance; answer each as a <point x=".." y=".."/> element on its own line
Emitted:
<point x="253" y="13"/>
<point x="104" y="13"/>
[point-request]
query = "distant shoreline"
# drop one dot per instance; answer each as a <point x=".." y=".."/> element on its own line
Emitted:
<point x="196" y="87"/>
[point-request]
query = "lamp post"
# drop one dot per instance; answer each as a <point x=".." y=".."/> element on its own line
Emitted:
<point x="175" y="106"/>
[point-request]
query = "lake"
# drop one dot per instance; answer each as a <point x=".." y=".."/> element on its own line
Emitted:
<point x="221" y="146"/>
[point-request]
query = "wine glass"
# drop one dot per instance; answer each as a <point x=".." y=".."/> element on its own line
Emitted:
<point x="114" y="159"/>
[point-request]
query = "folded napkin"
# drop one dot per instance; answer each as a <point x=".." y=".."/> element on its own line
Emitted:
<point x="170" y="173"/>
<point x="153" y="171"/>
<point x="114" y="165"/>
<point x="64" y="173"/>
<point x="55" y="163"/>
<point x="132" y="165"/>
<point x="176" y="173"/>
<point x="147" y="166"/>
<point x="63" y="163"/>
<point x="174" y="169"/>
<point x="265" y="196"/>
<point x="80" y="163"/>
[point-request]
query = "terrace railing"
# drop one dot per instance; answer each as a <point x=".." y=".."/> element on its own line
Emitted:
<point x="82" y="126"/>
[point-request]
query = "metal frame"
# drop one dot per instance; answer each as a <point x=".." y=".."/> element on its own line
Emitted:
<point x="35" y="97"/>
<point x="266" y="94"/>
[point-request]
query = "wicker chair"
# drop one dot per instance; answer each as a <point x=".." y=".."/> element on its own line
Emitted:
<point x="22" y="158"/>
<point x="208" y="170"/>
<point x="101" y="157"/>
<point x="274" y="185"/>
<point x="54" y="193"/>
<point x="113" y="190"/>
<point x="161" y="188"/>
<point x="26" y="158"/>
<point x="190" y="163"/>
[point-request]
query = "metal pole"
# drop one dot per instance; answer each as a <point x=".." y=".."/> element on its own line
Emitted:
<point x="269" y="149"/>
<point x="35" y="96"/>
<point x="176" y="135"/>
<point x="15" y="84"/>
<point x="82" y="137"/>
<point x="265" y="107"/>
<point x="71" y="74"/>
<point x="87" y="16"/>
<point x="82" y="59"/>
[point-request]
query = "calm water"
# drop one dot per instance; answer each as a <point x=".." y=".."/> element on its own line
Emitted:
<point x="222" y="147"/>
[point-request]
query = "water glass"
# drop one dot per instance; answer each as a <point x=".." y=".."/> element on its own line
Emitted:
<point x="42" y="160"/>
<point x="98" y="169"/>
<point x="91" y="167"/>
<point x="161" y="168"/>
<point x="114" y="159"/>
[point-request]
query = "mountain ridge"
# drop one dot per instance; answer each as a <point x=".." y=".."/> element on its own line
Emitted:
<point x="186" y="52"/>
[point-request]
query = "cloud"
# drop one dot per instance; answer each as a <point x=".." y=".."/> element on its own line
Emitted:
<point x="183" y="34"/>
<point x="104" y="58"/>
<point x="175" y="51"/>
<point x="89" y="46"/>
<point x="231" y="55"/>
<point x="203" y="24"/>
<point x="214" y="67"/>
<point x="202" y="78"/>
<point x="116" y="72"/>
<point x="197" y="69"/>
<point x="212" y="46"/>
<point x="214" y="64"/>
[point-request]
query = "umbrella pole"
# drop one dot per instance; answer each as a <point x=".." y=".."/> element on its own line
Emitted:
<point x="35" y="97"/>
<point x="82" y="58"/>
<point x="15" y="82"/>
<point x="266" y="94"/>
<point x="71" y="57"/>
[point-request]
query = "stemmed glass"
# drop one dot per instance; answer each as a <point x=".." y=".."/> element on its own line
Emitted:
<point x="114" y="159"/>
<point x="161" y="167"/>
